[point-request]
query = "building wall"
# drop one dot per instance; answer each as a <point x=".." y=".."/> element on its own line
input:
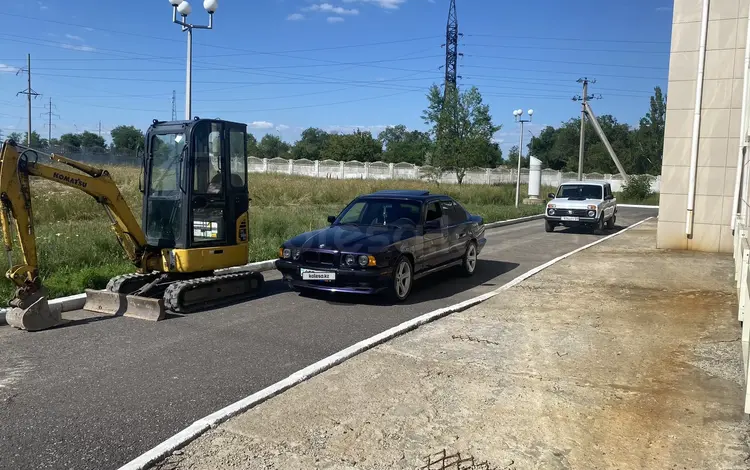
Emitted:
<point x="719" y="128"/>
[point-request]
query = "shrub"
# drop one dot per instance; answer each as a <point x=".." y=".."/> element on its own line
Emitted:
<point x="637" y="188"/>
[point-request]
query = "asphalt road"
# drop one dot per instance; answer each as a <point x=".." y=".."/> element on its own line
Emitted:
<point x="96" y="394"/>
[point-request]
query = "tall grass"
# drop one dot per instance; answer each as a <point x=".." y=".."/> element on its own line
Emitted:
<point x="77" y="249"/>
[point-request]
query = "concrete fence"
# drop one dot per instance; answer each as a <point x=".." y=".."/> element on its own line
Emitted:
<point x="742" y="277"/>
<point x="381" y="170"/>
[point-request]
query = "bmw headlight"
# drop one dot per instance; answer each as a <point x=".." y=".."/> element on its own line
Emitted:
<point x="592" y="213"/>
<point x="286" y="253"/>
<point x="551" y="211"/>
<point x="363" y="260"/>
<point x="349" y="260"/>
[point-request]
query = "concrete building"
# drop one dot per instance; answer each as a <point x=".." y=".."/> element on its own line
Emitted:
<point x="708" y="64"/>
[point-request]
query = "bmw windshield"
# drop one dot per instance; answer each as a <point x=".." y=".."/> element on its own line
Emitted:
<point x="383" y="212"/>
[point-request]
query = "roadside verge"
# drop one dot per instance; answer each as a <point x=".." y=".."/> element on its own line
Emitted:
<point x="199" y="427"/>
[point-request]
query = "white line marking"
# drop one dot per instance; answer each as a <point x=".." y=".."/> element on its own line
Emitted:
<point x="199" y="427"/>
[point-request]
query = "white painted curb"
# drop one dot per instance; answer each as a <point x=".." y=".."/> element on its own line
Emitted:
<point x="638" y="206"/>
<point x="190" y="433"/>
<point x="75" y="302"/>
<point x="520" y="220"/>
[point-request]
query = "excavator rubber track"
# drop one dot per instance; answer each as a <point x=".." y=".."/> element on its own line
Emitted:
<point x="212" y="291"/>
<point x="149" y="296"/>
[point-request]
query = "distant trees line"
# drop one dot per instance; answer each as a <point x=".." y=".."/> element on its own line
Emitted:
<point x="459" y="137"/>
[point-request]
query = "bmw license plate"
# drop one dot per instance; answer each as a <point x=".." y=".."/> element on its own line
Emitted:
<point x="569" y="219"/>
<point x="312" y="275"/>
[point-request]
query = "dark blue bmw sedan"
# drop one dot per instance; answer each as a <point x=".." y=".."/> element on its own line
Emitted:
<point x="382" y="242"/>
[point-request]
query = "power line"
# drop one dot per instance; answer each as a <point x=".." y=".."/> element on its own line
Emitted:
<point x="547" y="38"/>
<point x="568" y="62"/>
<point x="219" y="46"/>
<point x="570" y="49"/>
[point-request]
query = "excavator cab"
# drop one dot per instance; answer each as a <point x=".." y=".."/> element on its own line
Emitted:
<point x="195" y="195"/>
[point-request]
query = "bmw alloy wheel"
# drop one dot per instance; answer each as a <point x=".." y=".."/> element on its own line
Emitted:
<point x="403" y="279"/>
<point x="470" y="258"/>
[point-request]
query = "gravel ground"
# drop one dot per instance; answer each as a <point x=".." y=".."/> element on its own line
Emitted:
<point x="621" y="356"/>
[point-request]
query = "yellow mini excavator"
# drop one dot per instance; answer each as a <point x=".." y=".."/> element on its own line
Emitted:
<point x="194" y="222"/>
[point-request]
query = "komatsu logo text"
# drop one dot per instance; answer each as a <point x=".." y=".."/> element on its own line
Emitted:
<point x="69" y="180"/>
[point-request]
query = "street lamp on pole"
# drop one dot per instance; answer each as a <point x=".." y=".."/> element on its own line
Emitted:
<point x="518" y="114"/>
<point x="184" y="9"/>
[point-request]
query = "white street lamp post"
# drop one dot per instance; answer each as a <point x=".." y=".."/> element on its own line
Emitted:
<point x="517" y="114"/>
<point x="184" y="9"/>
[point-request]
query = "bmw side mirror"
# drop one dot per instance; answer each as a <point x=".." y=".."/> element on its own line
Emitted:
<point x="331" y="219"/>
<point x="551" y="195"/>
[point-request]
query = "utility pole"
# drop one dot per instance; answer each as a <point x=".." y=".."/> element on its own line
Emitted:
<point x="174" y="105"/>
<point x="586" y="110"/>
<point x="100" y="128"/>
<point x="29" y="92"/>
<point x="584" y="99"/>
<point x="49" y="115"/>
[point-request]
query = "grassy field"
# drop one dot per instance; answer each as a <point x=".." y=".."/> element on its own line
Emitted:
<point x="77" y="249"/>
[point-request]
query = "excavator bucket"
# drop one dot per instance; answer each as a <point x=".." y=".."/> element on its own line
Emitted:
<point x="113" y="303"/>
<point x="38" y="315"/>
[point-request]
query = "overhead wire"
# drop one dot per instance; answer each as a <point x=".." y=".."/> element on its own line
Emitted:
<point x="382" y="84"/>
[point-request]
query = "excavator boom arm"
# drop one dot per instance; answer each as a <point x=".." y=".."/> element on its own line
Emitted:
<point x="15" y="197"/>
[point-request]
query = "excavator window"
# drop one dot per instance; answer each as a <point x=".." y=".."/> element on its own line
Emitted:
<point x="167" y="150"/>
<point x="209" y="203"/>
<point x="237" y="158"/>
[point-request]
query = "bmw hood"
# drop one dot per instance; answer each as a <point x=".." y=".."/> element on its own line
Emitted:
<point x="351" y="238"/>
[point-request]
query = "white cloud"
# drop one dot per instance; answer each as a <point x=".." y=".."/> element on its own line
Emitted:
<point x="387" y="4"/>
<point x="295" y="17"/>
<point x="328" y="8"/>
<point x="42" y="6"/>
<point x="74" y="38"/>
<point x="261" y="125"/>
<point x="78" y="48"/>
<point x="334" y="19"/>
<point x="282" y="127"/>
<point x="89" y="29"/>
<point x="4" y="68"/>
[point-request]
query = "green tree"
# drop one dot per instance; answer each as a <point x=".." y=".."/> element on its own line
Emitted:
<point x="359" y="145"/>
<point x="512" y="160"/>
<point x="252" y="146"/>
<point x="90" y="140"/>
<point x="311" y="144"/>
<point x="127" y="138"/>
<point x="272" y="146"/>
<point x="649" y="138"/>
<point x="36" y="140"/>
<point x="71" y="141"/>
<point x="402" y="145"/>
<point x="462" y="126"/>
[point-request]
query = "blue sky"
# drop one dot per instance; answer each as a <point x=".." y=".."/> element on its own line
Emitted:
<point x="285" y="65"/>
